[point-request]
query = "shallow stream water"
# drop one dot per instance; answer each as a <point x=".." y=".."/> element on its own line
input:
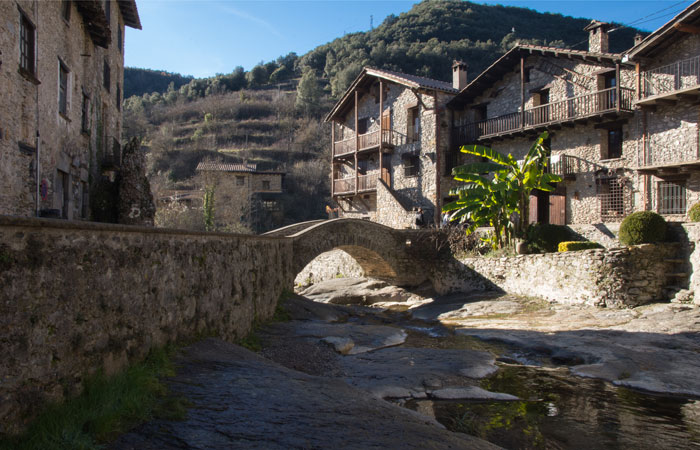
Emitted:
<point x="559" y="410"/>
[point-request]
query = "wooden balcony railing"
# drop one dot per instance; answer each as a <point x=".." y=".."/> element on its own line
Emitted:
<point x="366" y="141"/>
<point x="570" y="109"/>
<point x="344" y="147"/>
<point x="673" y="77"/>
<point x="365" y="183"/>
<point x="657" y="152"/>
<point x="562" y="165"/>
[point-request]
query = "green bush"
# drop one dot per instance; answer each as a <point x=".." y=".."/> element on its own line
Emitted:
<point x="694" y="213"/>
<point x="643" y="227"/>
<point x="572" y="246"/>
<point x="545" y="237"/>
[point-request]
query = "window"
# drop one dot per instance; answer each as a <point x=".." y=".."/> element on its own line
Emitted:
<point x="120" y="39"/>
<point x="671" y="195"/>
<point x="411" y="165"/>
<point x="240" y="180"/>
<point x="362" y="125"/>
<point x="413" y="122"/>
<point x="62" y="191"/>
<point x="106" y="76"/>
<point x="65" y="10"/>
<point x="611" y="196"/>
<point x="62" y="89"/>
<point x="614" y="143"/>
<point x="266" y="185"/>
<point x="108" y="11"/>
<point x="27" y="45"/>
<point x="85" y="118"/>
<point x="119" y="97"/>
<point x="526" y="74"/>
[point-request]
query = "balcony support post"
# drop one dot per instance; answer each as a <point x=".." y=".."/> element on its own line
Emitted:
<point x="381" y="127"/>
<point x="357" y="137"/>
<point x="617" y="87"/>
<point x="522" y="92"/>
<point x="638" y="87"/>
<point x="332" y="158"/>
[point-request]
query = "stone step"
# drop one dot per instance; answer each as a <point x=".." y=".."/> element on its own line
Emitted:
<point x="677" y="275"/>
<point x="675" y="261"/>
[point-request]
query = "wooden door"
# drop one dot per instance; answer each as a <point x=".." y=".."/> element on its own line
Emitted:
<point x="533" y="209"/>
<point x="557" y="206"/>
<point x="386" y="127"/>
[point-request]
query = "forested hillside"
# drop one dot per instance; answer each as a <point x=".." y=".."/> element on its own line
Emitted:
<point x="273" y="113"/>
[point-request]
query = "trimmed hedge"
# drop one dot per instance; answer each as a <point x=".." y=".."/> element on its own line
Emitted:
<point x="643" y="227"/>
<point x="545" y="237"/>
<point x="572" y="246"/>
<point x="694" y="213"/>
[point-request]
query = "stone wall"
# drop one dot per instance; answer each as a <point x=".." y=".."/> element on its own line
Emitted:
<point x="613" y="278"/>
<point x="77" y="297"/>
<point x="329" y="265"/>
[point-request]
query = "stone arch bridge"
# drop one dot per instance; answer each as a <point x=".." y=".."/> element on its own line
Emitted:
<point x="402" y="257"/>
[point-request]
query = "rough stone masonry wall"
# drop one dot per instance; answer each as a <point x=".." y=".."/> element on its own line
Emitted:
<point x="329" y="265"/>
<point x="29" y="107"/>
<point x="622" y="277"/>
<point x="77" y="297"/>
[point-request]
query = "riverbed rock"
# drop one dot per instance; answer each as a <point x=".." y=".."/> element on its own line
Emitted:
<point x="241" y="400"/>
<point x="470" y="393"/>
<point x="361" y="291"/>
<point x="404" y="372"/>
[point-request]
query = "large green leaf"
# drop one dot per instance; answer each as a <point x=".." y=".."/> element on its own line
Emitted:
<point x="486" y="152"/>
<point x="476" y="168"/>
<point x="472" y="178"/>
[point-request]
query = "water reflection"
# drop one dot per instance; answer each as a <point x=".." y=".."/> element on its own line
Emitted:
<point x="560" y="411"/>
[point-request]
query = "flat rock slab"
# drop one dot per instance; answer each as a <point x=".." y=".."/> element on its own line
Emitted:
<point x="359" y="291"/>
<point x="359" y="338"/>
<point x="403" y="372"/>
<point x="242" y="400"/>
<point x="644" y="360"/>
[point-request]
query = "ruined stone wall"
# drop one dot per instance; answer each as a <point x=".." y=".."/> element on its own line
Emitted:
<point x="621" y="277"/>
<point x="77" y="297"/>
<point x="30" y="105"/>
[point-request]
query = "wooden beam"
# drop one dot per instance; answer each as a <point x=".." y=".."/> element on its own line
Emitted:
<point x="522" y="91"/>
<point x="685" y="28"/>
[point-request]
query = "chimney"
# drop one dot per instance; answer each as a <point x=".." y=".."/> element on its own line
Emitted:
<point x="638" y="38"/>
<point x="598" y="36"/>
<point x="459" y="75"/>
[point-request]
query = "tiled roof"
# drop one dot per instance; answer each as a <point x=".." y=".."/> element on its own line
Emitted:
<point x="412" y="80"/>
<point x="660" y="39"/>
<point x="222" y="167"/>
<point x="505" y="64"/>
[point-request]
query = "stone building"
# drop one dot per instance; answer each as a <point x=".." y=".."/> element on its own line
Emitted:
<point x="585" y="99"/>
<point x="390" y="137"/>
<point x="244" y="194"/>
<point x="61" y="78"/>
<point x="668" y="95"/>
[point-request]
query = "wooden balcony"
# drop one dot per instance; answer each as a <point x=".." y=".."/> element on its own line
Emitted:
<point x="364" y="142"/>
<point x="563" y="165"/>
<point x="365" y="183"/>
<point x="660" y="159"/>
<point x="598" y="104"/>
<point x="671" y="82"/>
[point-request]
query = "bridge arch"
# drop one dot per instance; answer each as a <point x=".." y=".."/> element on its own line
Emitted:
<point x="382" y="252"/>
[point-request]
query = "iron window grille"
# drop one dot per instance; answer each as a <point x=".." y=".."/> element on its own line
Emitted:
<point x="27" y="45"/>
<point x="611" y="197"/>
<point x="671" y="197"/>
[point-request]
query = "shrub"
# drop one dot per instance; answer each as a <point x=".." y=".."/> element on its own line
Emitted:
<point x="694" y="213"/>
<point x="643" y="227"/>
<point x="545" y="237"/>
<point x="572" y="246"/>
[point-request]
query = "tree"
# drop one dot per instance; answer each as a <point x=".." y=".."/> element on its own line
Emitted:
<point x="208" y="208"/>
<point x="308" y="93"/>
<point x="257" y="76"/>
<point x="493" y="200"/>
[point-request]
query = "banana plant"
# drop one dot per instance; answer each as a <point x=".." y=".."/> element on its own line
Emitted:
<point x="497" y="189"/>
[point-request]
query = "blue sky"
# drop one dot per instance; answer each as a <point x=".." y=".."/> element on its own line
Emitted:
<point x="204" y="37"/>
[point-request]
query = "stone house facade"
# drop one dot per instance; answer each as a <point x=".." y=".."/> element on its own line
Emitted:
<point x="244" y="194"/>
<point x="61" y="78"/>
<point x="584" y="99"/>
<point x="623" y="127"/>
<point x="390" y="136"/>
<point x="668" y="99"/>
